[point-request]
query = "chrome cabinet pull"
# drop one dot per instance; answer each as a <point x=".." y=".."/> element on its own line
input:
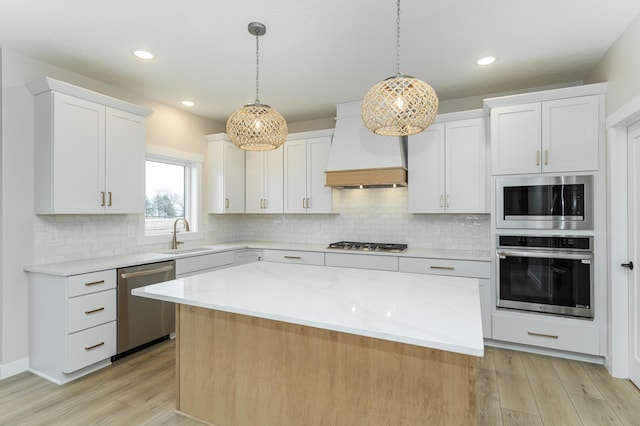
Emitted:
<point x="550" y="336"/>
<point x="447" y="268"/>
<point x="102" y="195"/>
<point x="537" y="158"/>
<point x="308" y="203"/>
<point x="546" y="157"/>
<point x="94" y="283"/>
<point x="303" y="206"/>
<point x="110" y="199"/>
<point x="88" y="348"/>
<point x="93" y="311"/>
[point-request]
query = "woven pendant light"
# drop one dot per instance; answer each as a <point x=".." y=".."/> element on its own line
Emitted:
<point x="256" y="126"/>
<point x="400" y="105"/>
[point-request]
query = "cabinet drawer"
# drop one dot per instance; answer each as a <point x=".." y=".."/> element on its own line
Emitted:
<point x="90" y="346"/>
<point x="458" y="268"/>
<point x="90" y="310"/>
<point x="563" y="334"/>
<point x="294" y="256"/>
<point x="362" y="261"/>
<point x="78" y="285"/>
<point x="187" y="265"/>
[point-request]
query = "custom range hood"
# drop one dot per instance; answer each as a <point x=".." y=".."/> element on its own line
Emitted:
<point x="360" y="158"/>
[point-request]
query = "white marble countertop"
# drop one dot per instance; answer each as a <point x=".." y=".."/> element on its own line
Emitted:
<point x="437" y="312"/>
<point x="103" y="263"/>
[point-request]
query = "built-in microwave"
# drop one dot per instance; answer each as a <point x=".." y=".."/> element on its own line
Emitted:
<point x="545" y="202"/>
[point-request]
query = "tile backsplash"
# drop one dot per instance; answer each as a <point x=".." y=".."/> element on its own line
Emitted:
<point x="378" y="215"/>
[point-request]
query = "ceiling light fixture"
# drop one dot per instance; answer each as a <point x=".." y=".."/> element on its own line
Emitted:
<point x="256" y="126"/>
<point x="487" y="60"/>
<point x="400" y="105"/>
<point x="143" y="54"/>
<point x="188" y="103"/>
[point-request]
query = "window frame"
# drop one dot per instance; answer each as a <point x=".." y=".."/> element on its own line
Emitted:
<point x="193" y="194"/>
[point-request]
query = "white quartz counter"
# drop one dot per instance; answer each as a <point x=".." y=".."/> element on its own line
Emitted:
<point x="437" y="312"/>
<point x="99" y="264"/>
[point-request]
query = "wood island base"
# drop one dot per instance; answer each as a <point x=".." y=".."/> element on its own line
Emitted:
<point x="237" y="370"/>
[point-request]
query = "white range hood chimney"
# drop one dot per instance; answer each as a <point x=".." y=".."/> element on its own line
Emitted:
<point x="358" y="157"/>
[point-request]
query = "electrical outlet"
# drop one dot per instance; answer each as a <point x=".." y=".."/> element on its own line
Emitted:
<point x="53" y="236"/>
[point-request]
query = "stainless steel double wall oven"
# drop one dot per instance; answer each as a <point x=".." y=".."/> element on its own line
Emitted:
<point x="551" y="271"/>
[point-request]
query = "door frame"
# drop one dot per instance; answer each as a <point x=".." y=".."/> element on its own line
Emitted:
<point x="617" y="361"/>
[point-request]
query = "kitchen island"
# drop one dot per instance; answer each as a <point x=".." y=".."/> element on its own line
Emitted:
<point x="271" y="343"/>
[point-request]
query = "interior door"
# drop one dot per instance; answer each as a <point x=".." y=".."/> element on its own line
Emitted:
<point x="634" y="247"/>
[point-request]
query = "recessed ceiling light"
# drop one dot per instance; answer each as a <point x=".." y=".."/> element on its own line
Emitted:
<point x="487" y="60"/>
<point x="188" y="103"/>
<point x="143" y="54"/>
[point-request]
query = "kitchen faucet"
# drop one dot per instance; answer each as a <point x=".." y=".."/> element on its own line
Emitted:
<point x="174" y="244"/>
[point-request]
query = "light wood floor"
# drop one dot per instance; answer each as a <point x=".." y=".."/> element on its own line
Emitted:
<point x="514" y="388"/>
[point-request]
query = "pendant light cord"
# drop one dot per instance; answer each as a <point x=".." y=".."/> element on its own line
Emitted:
<point x="257" y="68"/>
<point x="398" y="40"/>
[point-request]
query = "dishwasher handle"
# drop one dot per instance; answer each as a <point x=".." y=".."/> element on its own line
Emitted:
<point x="147" y="272"/>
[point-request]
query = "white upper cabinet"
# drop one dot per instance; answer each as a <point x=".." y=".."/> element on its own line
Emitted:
<point x="89" y="151"/>
<point x="305" y="161"/>
<point x="552" y="136"/>
<point x="447" y="168"/>
<point x="225" y="175"/>
<point x="264" y="181"/>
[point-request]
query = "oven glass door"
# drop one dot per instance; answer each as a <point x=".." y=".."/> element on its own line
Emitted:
<point x="551" y="282"/>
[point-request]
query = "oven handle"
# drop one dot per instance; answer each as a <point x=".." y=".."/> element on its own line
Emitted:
<point x="549" y="255"/>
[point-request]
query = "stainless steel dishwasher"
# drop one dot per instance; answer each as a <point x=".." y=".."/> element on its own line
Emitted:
<point x="141" y="321"/>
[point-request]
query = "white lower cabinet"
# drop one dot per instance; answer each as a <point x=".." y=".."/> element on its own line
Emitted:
<point x="247" y="256"/>
<point x="294" y="256"/>
<point x="72" y="324"/>
<point x="202" y="263"/>
<point x="566" y="334"/>
<point x="457" y="268"/>
<point x="362" y="261"/>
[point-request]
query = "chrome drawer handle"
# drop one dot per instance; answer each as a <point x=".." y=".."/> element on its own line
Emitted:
<point x="447" y="268"/>
<point x="94" y="283"/>
<point x="94" y="346"/>
<point x="93" y="311"/>
<point x="293" y="257"/>
<point x="550" y="336"/>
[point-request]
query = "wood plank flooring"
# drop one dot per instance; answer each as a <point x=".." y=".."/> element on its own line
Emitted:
<point x="514" y="388"/>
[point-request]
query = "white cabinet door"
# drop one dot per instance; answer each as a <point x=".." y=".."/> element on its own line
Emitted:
<point x="124" y="162"/>
<point x="295" y="176"/>
<point x="466" y="167"/>
<point x="515" y="139"/>
<point x="225" y="175"/>
<point x="319" y="196"/>
<point x="254" y="186"/>
<point x="570" y="134"/>
<point x="273" y="181"/>
<point x="426" y="165"/>
<point x="77" y="165"/>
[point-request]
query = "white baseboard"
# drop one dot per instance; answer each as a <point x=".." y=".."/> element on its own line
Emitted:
<point x="593" y="359"/>
<point x="13" y="368"/>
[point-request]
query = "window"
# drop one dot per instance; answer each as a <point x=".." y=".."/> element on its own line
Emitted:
<point x="172" y="190"/>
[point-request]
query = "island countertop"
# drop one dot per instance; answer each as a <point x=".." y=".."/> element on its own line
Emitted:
<point x="438" y="312"/>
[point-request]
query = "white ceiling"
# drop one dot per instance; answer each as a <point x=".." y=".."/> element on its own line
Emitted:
<point x="316" y="52"/>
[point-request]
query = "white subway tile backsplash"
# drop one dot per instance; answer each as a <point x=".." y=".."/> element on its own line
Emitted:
<point x="378" y="215"/>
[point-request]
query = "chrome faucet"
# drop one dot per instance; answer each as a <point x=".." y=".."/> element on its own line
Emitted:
<point x="174" y="244"/>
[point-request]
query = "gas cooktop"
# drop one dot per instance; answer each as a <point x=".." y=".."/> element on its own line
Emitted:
<point x="359" y="246"/>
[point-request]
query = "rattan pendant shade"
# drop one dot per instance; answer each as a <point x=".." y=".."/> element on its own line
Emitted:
<point x="256" y="126"/>
<point x="401" y="105"/>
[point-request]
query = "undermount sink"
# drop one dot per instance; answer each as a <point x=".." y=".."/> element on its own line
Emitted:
<point x="186" y="250"/>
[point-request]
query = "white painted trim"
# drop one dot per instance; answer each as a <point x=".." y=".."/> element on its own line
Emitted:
<point x="545" y="95"/>
<point x="628" y="114"/>
<point x="593" y="359"/>
<point x="462" y="115"/>
<point x="174" y="153"/>
<point x="617" y="251"/>
<point x="13" y="368"/>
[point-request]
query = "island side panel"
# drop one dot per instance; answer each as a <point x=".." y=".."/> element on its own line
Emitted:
<point x="241" y="370"/>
